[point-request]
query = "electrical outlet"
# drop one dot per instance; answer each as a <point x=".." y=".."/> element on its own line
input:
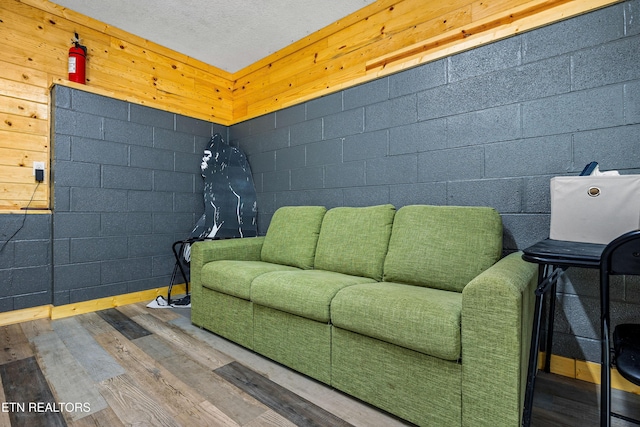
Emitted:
<point x="37" y="165"/>
<point x="38" y="171"/>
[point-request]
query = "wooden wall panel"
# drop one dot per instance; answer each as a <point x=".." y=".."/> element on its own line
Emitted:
<point x="387" y="38"/>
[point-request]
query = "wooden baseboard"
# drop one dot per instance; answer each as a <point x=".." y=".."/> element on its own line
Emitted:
<point x="25" y="315"/>
<point x="586" y="371"/>
<point x="58" y="312"/>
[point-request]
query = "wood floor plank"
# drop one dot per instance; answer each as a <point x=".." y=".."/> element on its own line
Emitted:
<point x="36" y="328"/>
<point x="69" y="380"/>
<point x="617" y="422"/>
<point x="24" y="383"/>
<point x="145" y="371"/>
<point x="291" y="406"/>
<point x="626" y="404"/>
<point x="270" y="419"/>
<point x="4" y="415"/>
<point x="569" y="411"/>
<point x="221" y="418"/>
<point x="562" y="401"/>
<point x="133" y="405"/>
<point x="94" y="358"/>
<point x="197" y="349"/>
<point x="164" y="314"/>
<point x="104" y="418"/>
<point x="123" y="324"/>
<point x="180" y="400"/>
<point x="15" y="344"/>
<point x="238" y="353"/>
<point x="205" y="336"/>
<point x="94" y="324"/>
<point x="234" y="403"/>
<point x="131" y="310"/>
<point x="574" y="402"/>
<point x="580" y="390"/>
<point x="546" y="418"/>
<point x="215" y="417"/>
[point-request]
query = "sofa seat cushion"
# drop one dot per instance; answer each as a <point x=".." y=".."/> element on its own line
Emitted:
<point x="235" y="277"/>
<point x="423" y="319"/>
<point x="292" y="236"/>
<point x="355" y="240"/>
<point x="303" y="293"/>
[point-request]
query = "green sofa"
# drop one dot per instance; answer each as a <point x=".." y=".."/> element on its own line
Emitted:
<point x="412" y="311"/>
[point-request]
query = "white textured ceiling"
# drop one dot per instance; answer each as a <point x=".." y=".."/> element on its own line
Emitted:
<point x="228" y="34"/>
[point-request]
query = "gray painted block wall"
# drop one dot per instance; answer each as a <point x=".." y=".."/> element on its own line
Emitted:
<point x="490" y="126"/>
<point x="126" y="185"/>
<point x="25" y="261"/>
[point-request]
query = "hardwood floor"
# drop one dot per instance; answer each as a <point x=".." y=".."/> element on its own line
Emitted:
<point x="151" y="367"/>
<point x="561" y="401"/>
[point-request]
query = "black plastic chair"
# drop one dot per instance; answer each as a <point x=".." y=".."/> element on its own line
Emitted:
<point x="620" y="257"/>
<point x="626" y="344"/>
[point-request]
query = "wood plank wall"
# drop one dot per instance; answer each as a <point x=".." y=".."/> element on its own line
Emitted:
<point x="36" y="36"/>
<point x="386" y="37"/>
<point x="382" y="38"/>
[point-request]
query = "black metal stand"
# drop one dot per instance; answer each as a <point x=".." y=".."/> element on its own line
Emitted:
<point x="178" y="267"/>
<point x="553" y="257"/>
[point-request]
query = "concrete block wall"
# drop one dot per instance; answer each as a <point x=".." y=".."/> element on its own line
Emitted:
<point x="126" y="185"/>
<point x="25" y="261"/>
<point x="489" y="126"/>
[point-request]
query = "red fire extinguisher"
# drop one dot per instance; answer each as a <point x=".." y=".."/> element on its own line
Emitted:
<point x="77" y="58"/>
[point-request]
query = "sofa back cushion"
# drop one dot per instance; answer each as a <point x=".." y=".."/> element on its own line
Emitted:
<point x="442" y="247"/>
<point x="355" y="240"/>
<point x="292" y="236"/>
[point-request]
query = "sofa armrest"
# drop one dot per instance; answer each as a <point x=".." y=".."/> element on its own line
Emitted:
<point x="497" y="319"/>
<point x="246" y="249"/>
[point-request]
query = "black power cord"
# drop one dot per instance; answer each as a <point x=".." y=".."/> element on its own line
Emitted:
<point x="24" y="218"/>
